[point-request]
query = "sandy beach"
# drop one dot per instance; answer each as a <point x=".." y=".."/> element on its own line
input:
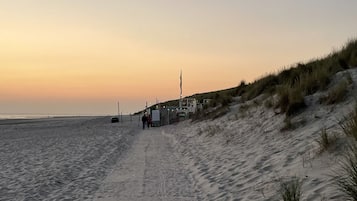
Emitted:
<point x="59" y="158"/>
<point x="223" y="159"/>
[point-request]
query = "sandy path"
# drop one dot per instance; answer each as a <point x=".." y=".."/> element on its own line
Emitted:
<point x="150" y="170"/>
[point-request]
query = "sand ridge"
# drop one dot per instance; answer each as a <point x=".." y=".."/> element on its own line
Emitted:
<point x="245" y="155"/>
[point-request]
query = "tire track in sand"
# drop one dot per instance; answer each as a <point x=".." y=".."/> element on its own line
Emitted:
<point x="149" y="171"/>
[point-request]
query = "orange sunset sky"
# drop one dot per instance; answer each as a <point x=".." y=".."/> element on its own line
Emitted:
<point x="81" y="57"/>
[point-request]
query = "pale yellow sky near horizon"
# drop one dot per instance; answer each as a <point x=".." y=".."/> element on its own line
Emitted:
<point x="81" y="57"/>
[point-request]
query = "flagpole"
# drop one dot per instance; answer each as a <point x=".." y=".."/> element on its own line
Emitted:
<point x="118" y="109"/>
<point x="180" y="103"/>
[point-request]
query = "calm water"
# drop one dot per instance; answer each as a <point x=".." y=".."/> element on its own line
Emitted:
<point x="31" y="116"/>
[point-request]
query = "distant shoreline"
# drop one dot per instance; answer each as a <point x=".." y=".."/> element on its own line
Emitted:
<point x="41" y="116"/>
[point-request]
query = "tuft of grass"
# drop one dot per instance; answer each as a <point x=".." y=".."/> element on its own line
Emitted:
<point x="346" y="175"/>
<point x="336" y="94"/>
<point x="290" y="190"/>
<point x="318" y="79"/>
<point x="226" y="100"/>
<point x="349" y="124"/>
<point x="240" y="89"/>
<point x="264" y="85"/>
<point x="349" y="53"/>
<point x="291" y="100"/>
<point x="325" y="141"/>
<point x="221" y="100"/>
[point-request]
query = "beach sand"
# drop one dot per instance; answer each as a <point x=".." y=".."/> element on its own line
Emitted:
<point x="59" y="158"/>
<point x="149" y="171"/>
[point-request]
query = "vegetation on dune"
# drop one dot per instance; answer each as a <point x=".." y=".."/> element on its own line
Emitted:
<point x="349" y="124"/>
<point x="291" y="99"/>
<point x="258" y="87"/>
<point x="336" y="94"/>
<point x="294" y="83"/>
<point x="291" y="84"/>
<point x="290" y="190"/>
<point x="346" y="175"/>
<point x="325" y="141"/>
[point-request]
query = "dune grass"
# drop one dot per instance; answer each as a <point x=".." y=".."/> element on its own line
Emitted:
<point x="325" y="141"/>
<point x="299" y="80"/>
<point x="292" y="83"/>
<point x="346" y="175"/>
<point x="336" y="94"/>
<point x="349" y="124"/>
<point x="290" y="190"/>
<point x="291" y="100"/>
<point x="339" y="92"/>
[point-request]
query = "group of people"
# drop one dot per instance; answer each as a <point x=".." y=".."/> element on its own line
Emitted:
<point x="146" y="119"/>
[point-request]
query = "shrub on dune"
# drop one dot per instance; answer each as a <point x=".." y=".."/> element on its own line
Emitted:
<point x="349" y="124"/>
<point x="336" y="94"/>
<point x="325" y="141"/>
<point x="290" y="190"/>
<point x="291" y="100"/>
<point x="346" y="175"/>
<point x="318" y="79"/>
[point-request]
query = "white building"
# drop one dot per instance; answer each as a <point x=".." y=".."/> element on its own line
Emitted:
<point x="189" y="105"/>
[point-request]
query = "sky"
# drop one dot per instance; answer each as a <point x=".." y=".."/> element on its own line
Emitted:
<point x="82" y="57"/>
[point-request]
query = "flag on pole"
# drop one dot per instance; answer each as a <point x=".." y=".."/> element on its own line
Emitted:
<point x="180" y="83"/>
<point x="180" y="102"/>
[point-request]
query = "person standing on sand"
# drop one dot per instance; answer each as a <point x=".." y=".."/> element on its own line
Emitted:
<point x="144" y="119"/>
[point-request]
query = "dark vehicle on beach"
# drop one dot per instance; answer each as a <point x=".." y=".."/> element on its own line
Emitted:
<point x="115" y="119"/>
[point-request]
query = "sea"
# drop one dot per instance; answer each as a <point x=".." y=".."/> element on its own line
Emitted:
<point x="32" y="116"/>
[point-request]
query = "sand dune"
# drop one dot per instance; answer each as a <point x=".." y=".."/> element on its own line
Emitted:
<point x="245" y="156"/>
